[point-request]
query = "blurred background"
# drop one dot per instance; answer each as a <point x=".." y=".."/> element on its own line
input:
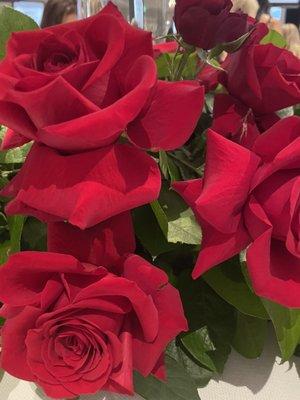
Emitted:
<point x="153" y="15"/>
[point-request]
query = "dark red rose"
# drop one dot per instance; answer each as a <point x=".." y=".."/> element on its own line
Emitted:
<point x="83" y="189"/>
<point x="78" y="86"/>
<point x="264" y="78"/>
<point x="74" y="328"/>
<point x="206" y="23"/>
<point x="253" y="198"/>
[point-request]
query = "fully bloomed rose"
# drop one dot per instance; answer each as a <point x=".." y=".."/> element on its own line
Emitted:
<point x="206" y="23"/>
<point x="79" y="86"/>
<point x="252" y="198"/>
<point x="75" y="328"/>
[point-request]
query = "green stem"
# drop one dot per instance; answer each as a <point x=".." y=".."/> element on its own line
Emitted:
<point x="181" y="66"/>
<point x="188" y="165"/>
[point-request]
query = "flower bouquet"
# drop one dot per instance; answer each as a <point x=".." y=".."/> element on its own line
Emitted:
<point x="150" y="200"/>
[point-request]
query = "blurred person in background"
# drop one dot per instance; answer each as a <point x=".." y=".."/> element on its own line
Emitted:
<point x="58" y="12"/>
<point x="264" y="7"/>
<point x="249" y="7"/>
<point x="292" y="38"/>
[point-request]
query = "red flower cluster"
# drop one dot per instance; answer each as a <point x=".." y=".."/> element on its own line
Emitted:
<point x="84" y="315"/>
<point x="249" y="195"/>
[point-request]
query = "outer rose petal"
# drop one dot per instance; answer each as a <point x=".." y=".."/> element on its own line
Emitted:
<point x="102" y="244"/>
<point x="159" y="126"/>
<point x="121" y="176"/>
<point x="154" y="282"/>
<point x="16" y="118"/>
<point x="121" y="381"/>
<point x="171" y="322"/>
<point x="274" y="271"/>
<point x="228" y="174"/>
<point x="137" y="41"/>
<point x="216" y="246"/>
<point x="147" y="277"/>
<point x="24" y="276"/>
<point x="277" y="138"/>
<point x="13" y="334"/>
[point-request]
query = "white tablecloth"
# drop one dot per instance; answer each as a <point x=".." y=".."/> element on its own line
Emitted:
<point x="264" y="379"/>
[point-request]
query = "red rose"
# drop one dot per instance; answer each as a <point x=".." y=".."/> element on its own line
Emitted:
<point x="264" y="78"/>
<point x="206" y="23"/>
<point x="78" y="86"/>
<point x="253" y="197"/>
<point x="74" y="328"/>
<point x="83" y="189"/>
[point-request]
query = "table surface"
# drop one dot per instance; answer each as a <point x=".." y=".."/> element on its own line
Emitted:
<point x="263" y="379"/>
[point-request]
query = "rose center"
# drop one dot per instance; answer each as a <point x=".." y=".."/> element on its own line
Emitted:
<point x="53" y="55"/>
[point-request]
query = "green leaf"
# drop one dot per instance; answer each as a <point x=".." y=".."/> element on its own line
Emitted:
<point x="287" y="326"/>
<point x="167" y="63"/>
<point x="168" y="168"/>
<point x="204" y="309"/>
<point x="179" y="385"/>
<point x="149" y="233"/>
<point x="286" y="112"/>
<point x="161" y="217"/>
<point x="250" y="336"/>
<point x="34" y="236"/>
<point x="199" y="373"/>
<point x="15" y="224"/>
<point x="229" y="47"/>
<point x="274" y="38"/>
<point x="14" y="156"/>
<point x="176" y="219"/>
<point x="228" y="281"/>
<point x="12" y="21"/>
<point x="199" y="345"/>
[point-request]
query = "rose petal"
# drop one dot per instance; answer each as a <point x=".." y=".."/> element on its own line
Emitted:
<point x="149" y="278"/>
<point x="24" y="276"/>
<point x="121" y="176"/>
<point x="171" y="322"/>
<point x="223" y="195"/>
<point x="158" y="127"/>
<point x="14" y="352"/>
<point x="103" y="244"/>
<point x="267" y="261"/>
<point x="142" y="304"/>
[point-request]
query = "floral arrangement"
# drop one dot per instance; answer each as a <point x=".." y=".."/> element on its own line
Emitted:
<point x="150" y="200"/>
